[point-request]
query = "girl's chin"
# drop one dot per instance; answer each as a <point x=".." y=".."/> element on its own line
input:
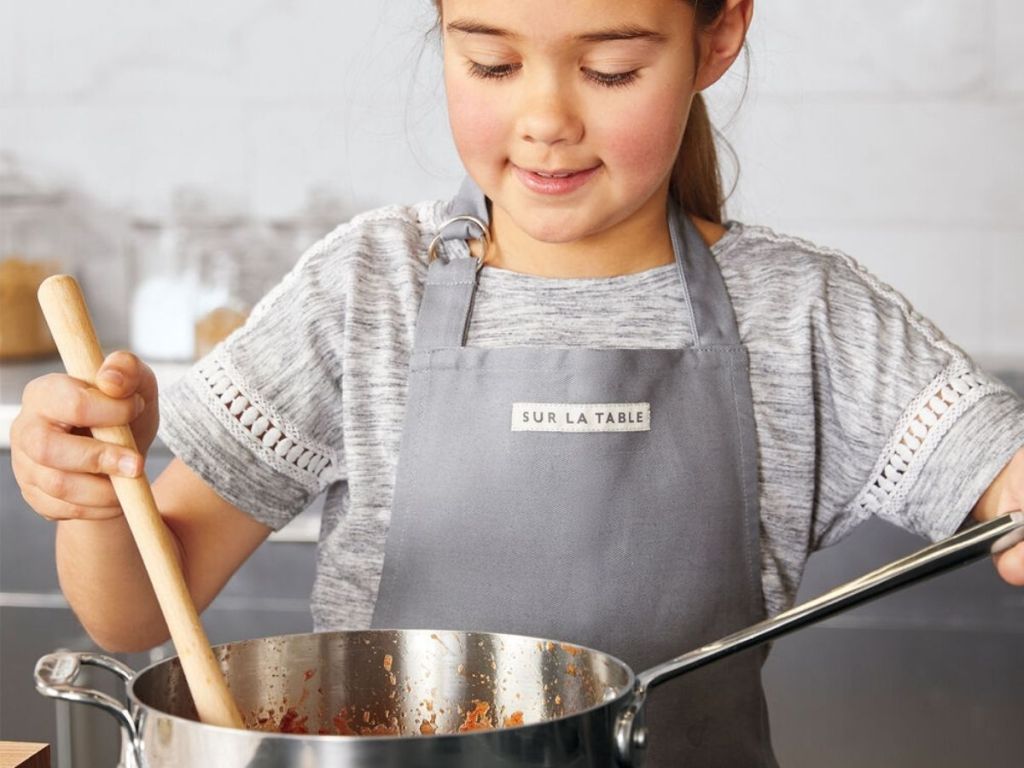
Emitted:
<point x="557" y="232"/>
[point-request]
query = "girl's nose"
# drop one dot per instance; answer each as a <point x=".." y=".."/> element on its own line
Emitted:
<point x="550" y="117"/>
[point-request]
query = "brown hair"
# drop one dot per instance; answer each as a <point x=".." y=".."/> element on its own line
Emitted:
<point x="696" y="178"/>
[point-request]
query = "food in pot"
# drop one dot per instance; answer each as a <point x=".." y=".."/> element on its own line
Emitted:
<point x="516" y="718"/>
<point x="292" y="723"/>
<point x="349" y="722"/>
<point x="478" y="718"/>
<point x="384" y="715"/>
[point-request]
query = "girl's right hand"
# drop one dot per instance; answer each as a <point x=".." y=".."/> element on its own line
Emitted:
<point x="61" y="469"/>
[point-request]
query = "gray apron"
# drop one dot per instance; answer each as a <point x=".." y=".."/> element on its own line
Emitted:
<point x="603" y="497"/>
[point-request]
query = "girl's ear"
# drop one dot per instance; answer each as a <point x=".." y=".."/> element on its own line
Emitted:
<point x="721" y="42"/>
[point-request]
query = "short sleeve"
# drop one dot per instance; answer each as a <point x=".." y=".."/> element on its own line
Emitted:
<point x="910" y="430"/>
<point x="259" y="418"/>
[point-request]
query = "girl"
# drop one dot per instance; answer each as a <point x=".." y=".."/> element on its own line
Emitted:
<point x="599" y="414"/>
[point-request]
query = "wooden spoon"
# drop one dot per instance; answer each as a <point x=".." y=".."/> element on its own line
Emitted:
<point x="68" y="318"/>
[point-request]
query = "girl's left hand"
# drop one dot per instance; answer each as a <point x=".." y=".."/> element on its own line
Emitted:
<point x="1006" y="494"/>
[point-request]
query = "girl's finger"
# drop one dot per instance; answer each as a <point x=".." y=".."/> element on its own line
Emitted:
<point x="123" y="374"/>
<point x="57" y="509"/>
<point x="62" y="399"/>
<point x="92" y="491"/>
<point x="50" y="446"/>
<point x="1010" y="565"/>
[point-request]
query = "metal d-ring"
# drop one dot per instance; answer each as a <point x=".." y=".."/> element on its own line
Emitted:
<point x="432" y="251"/>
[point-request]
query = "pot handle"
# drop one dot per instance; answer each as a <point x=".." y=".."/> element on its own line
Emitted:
<point x="987" y="538"/>
<point x="55" y="676"/>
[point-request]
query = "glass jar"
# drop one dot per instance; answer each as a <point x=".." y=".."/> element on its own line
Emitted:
<point x="218" y="247"/>
<point x="164" y="287"/>
<point x="33" y="246"/>
<point x="189" y="282"/>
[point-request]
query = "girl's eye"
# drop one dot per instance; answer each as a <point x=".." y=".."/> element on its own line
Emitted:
<point x="613" y="79"/>
<point x="501" y="71"/>
<point x="492" y="71"/>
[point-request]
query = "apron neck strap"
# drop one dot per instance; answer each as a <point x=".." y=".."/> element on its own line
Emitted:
<point x="712" y="318"/>
<point x="447" y="304"/>
<point x="443" y="320"/>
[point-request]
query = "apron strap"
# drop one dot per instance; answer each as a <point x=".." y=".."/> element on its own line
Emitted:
<point x="712" y="318"/>
<point x="447" y="304"/>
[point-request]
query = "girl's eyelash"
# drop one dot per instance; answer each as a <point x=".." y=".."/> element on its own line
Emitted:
<point x="501" y="71"/>
<point x="613" y="80"/>
<point x="492" y="72"/>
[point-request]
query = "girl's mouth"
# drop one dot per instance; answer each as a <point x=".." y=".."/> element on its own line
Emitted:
<point x="559" y="181"/>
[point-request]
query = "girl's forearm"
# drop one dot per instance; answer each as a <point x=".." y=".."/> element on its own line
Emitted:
<point x="104" y="580"/>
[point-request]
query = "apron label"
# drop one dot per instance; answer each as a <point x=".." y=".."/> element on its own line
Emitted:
<point x="581" y="417"/>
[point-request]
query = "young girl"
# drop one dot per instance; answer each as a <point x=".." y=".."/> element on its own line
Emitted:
<point x="599" y="414"/>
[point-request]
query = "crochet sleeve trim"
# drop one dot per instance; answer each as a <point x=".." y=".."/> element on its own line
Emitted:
<point x="917" y="434"/>
<point x="279" y="443"/>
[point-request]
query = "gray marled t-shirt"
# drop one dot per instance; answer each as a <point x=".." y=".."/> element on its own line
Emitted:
<point x="862" y="407"/>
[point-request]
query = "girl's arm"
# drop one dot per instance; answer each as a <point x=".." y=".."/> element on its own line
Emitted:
<point x="63" y="472"/>
<point x="103" y="578"/>
<point x="1006" y="494"/>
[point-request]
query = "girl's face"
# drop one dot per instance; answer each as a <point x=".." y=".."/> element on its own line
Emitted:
<point x="569" y="113"/>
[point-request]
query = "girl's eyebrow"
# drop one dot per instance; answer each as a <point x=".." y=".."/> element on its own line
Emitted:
<point x="625" y="32"/>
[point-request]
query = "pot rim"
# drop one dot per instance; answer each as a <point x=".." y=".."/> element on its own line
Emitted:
<point x="624" y="693"/>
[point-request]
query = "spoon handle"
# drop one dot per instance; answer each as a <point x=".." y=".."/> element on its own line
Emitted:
<point x="68" y="318"/>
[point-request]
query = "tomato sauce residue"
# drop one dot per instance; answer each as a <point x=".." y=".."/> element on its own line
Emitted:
<point x="347" y="723"/>
<point x="292" y="723"/>
<point x="516" y="718"/>
<point x="478" y="718"/>
<point x="341" y="726"/>
<point x="350" y="721"/>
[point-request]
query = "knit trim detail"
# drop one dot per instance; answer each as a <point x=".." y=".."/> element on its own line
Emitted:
<point x="254" y="422"/>
<point x="918" y="433"/>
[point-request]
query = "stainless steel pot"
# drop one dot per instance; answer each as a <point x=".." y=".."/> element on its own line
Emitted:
<point x="580" y="707"/>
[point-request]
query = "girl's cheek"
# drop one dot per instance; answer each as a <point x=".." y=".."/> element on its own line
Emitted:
<point x="478" y="127"/>
<point x="643" y="140"/>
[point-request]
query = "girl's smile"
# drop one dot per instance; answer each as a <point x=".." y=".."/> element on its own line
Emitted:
<point x="560" y="181"/>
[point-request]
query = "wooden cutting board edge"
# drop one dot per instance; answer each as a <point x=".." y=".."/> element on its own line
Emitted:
<point x="21" y="754"/>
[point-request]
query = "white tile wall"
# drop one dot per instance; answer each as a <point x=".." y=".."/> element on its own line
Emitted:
<point x="1007" y="27"/>
<point x="1004" y="304"/>
<point x="892" y="130"/>
<point x="872" y="47"/>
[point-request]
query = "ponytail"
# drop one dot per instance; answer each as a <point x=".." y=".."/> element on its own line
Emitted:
<point x="696" y="180"/>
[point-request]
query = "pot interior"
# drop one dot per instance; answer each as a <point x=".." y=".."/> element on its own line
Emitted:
<point x="397" y="682"/>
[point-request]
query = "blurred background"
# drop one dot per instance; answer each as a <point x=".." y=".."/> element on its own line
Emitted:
<point x="178" y="158"/>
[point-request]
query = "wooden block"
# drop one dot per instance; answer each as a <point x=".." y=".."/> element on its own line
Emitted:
<point x="20" y="754"/>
